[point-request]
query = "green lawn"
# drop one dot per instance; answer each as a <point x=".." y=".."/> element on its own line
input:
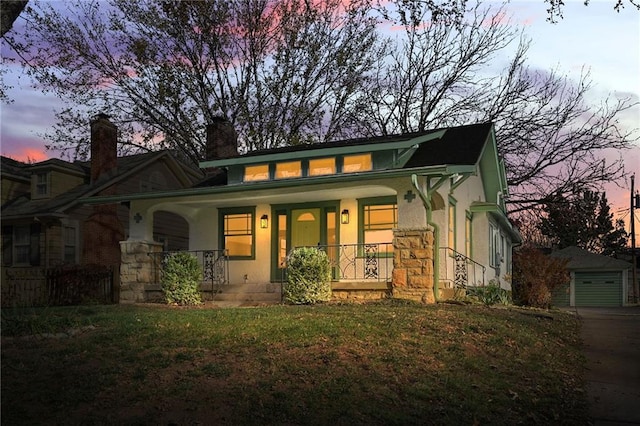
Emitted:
<point x="387" y="363"/>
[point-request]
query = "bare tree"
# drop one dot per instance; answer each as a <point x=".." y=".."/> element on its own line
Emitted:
<point x="554" y="10"/>
<point x="553" y="141"/>
<point x="295" y="71"/>
<point x="283" y="71"/>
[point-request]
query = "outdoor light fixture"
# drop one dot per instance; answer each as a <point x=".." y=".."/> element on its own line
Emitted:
<point x="344" y="216"/>
<point x="264" y="221"/>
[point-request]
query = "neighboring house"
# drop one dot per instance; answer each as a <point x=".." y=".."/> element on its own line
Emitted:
<point x="596" y="280"/>
<point x="44" y="225"/>
<point x="416" y="215"/>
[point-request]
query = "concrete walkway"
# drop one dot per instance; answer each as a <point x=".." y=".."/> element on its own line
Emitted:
<point x="611" y="339"/>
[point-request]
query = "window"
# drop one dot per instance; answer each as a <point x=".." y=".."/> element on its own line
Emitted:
<point x="237" y="233"/>
<point x="290" y="169"/>
<point x="259" y="172"/>
<point x="467" y="235"/>
<point x="451" y="231"/>
<point x="42" y="185"/>
<point x="22" y="244"/>
<point x="496" y="246"/>
<point x="356" y="163"/>
<point x="378" y="220"/>
<point x="70" y="243"/>
<point x="322" y="166"/>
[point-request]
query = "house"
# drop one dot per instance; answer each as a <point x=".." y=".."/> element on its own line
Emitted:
<point x="596" y="280"/>
<point x="418" y="216"/>
<point x="44" y="225"/>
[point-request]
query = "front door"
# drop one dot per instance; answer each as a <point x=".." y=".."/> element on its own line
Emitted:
<point x="303" y="226"/>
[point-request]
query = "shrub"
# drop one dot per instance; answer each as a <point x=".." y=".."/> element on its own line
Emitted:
<point x="181" y="279"/>
<point x="491" y="294"/>
<point x="535" y="276"/>
<point x="308" y="276"/>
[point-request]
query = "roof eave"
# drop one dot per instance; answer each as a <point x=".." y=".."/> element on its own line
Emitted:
<point x="446" y="170"/>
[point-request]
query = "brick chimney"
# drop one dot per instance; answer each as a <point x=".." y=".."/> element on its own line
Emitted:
<point x="102" y="230"/>
<point x="104" y="143"/>
<point x="222" y="139"/>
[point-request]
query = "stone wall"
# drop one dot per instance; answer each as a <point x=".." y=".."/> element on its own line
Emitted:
<point x="137" y="269"/>
<point x="413" y="259"/>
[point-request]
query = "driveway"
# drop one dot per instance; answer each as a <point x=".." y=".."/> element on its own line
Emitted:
<point x="611" y="339"/>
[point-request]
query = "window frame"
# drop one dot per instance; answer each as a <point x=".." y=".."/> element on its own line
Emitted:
<point x="496" y="239"/>
<point x="222" y="213"/>
<point x="451" y="226"/>
<point x="468" y="234"/>
<point x="363" y="203"/>
<point x="15" y="245"/>
<point x="38" y="184"/>
<point x="66" y="245"/>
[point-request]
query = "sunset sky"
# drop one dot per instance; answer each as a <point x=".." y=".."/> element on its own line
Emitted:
<point x="595" y="37"/>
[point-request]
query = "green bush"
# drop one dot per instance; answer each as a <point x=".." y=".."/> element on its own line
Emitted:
<point x="181" y="279"/>
<point x="308" y="277"/>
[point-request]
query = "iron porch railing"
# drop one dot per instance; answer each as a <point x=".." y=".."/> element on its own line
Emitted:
<point x="360" y="262"/>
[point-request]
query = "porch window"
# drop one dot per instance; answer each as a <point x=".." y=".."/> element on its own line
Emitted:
<point x="378" y="220"/>
<point x="259" y="172"/>
<point x="289" y="169"/>
<point x="238" y="234"/>
<point x="322" y="166"/>
<point x="356" y="163"/>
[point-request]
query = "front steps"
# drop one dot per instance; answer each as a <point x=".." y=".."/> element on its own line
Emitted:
<point x="256" y="293"/>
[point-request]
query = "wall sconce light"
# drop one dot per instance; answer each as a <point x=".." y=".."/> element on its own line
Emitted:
<point x="344" y="217"/>
<point x="264" y="221"/>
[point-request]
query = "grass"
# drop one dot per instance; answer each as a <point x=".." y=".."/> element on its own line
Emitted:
<point x="389" y="362"/>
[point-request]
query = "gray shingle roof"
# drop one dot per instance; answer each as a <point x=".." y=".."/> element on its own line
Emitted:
<point x="584" y="259"/>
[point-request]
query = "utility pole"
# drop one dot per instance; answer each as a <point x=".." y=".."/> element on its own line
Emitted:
<point x="635" y="201"/>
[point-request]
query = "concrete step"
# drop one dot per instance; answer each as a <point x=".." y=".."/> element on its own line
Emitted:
<point x="250" y="292"/>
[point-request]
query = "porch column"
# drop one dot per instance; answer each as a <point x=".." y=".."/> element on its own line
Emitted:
<point x="413" y="259"/>
<point x="137" y="269"/>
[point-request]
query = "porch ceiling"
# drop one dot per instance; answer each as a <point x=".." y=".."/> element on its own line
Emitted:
<point x="288" y="195"/>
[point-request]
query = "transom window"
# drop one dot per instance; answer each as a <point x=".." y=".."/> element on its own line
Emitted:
<point x="259" y="172"/>
<point x="289" y="169"/>
<point x="238" y="235"/>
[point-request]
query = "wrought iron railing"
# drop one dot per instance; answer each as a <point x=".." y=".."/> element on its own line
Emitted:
<point x="459" y="270"/>
<point x="360" y="262"/>
<point x="214" y="263"/>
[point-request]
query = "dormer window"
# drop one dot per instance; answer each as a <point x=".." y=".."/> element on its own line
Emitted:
<point x="322" y="166"/>
<point x="41" y="185"/>
<point x="289" y="169"/>
<point x="254" y="173"/>
<point x="357" y="163"/>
